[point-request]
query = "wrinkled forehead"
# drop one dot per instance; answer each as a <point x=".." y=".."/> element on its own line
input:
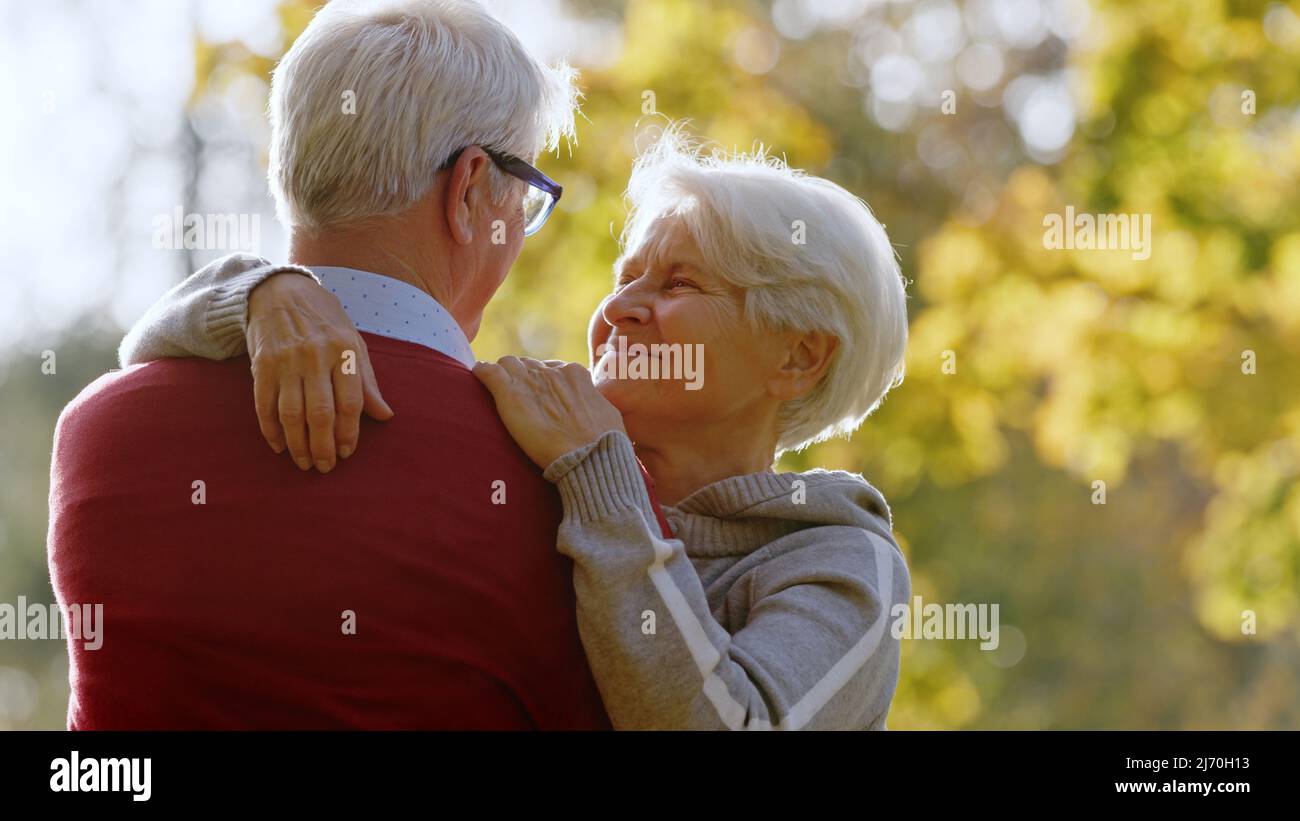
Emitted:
<point x="665" y="241"/>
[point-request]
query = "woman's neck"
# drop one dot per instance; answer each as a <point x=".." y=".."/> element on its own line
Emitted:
<point x="682" y="464"/>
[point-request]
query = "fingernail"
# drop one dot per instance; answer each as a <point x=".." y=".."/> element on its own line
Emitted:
<point x="344" y="451"/>
<point x="303" y="462"/>
<point x="323" y="466"/>
<point x="278" y="447"/>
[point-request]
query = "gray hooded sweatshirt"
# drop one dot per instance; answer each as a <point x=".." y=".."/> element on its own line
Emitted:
<point x="769" y="607"/>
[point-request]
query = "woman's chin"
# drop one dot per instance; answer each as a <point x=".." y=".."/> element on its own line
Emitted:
<point x="619" y="392"/>
<point x="630" y="396"/>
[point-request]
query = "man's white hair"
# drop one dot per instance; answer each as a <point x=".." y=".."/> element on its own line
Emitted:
<point x="376" y="95"/>
<point x="810" y="256"/>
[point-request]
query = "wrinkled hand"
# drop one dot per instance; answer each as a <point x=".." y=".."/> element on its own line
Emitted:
<point x="311" y="372"/>
<point x="549" y="407"/>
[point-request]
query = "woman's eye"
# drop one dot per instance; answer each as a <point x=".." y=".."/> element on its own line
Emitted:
<point x="678" y="282"/>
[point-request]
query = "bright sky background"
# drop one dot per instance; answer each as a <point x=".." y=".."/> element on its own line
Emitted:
<point x="92" y="89"/>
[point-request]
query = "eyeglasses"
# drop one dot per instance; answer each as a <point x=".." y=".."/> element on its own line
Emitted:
<point x="543" y="192"/>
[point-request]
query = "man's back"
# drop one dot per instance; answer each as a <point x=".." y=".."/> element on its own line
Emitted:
<point x="390" y="593"/>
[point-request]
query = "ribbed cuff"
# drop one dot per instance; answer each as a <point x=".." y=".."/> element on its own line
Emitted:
<point x="227" y="312"/>
<point x="601" y="480"/>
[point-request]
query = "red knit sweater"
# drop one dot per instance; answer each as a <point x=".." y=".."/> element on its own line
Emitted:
<point x="234" y="613"/>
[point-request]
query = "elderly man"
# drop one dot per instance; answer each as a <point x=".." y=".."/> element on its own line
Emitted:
<point x="399" y="137"/>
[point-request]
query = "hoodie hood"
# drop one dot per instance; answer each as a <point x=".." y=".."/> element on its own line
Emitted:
<point x="743" y="513"/>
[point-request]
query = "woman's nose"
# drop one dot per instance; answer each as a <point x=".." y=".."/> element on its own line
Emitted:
<point x="629" y="304"/>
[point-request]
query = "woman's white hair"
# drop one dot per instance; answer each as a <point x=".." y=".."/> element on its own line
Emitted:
<point x="376" y="95"/>
<point x="810" y="256"/>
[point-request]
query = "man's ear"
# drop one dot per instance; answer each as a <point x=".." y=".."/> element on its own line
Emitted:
<point x="807" y="358"/>
<point x="467" y="190"/>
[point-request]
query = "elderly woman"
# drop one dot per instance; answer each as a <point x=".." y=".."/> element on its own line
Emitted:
<point x="752" y="598"/>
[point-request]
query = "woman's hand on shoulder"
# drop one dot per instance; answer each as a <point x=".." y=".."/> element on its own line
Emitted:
<point x="549" y="407"/>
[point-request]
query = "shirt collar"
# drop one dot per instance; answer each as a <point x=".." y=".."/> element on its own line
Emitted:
<point x="389" y="307"/>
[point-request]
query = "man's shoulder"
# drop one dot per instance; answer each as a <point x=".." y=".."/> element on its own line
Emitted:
<point x="100" y="395"/>
<point x="121" y="387"/>
<point x="139" y="412"/>
<point x="417" y="355"/>
<point x="442" y="411"/>
<point x="423" y="377"/>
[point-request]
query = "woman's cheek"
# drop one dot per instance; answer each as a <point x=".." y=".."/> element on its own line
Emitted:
<point x="597" y="332"/>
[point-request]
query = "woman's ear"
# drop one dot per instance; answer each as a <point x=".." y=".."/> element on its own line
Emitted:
<point x="807" y="358"/>
<point x="466" y="190"/>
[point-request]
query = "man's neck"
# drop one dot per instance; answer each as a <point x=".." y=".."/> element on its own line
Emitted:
<point x="377" y="253"/>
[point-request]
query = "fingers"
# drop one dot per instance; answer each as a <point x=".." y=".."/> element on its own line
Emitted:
<point x="514" y="366"/>
<point x="526" y="366"/>
<point x="494" y="377"/>
<point x="567" y="367"/>
<point x="509" y="369"/>
<point x="348" y="402"/>
<point x="575" y="373"/>
<point x="510" y="373"/>
<point x="293" y="420"/>
<point x="318" y="395"/>
<point x="374" y="405"/>
<point x="266" y="392"/>
<point x="316" y="415"/>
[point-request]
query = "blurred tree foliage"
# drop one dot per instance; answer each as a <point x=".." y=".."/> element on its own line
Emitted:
<point x="1072" y="368"/>
<point x="34" y="674"/>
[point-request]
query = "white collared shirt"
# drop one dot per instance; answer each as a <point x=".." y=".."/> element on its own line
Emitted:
<point x="389" y="307"/>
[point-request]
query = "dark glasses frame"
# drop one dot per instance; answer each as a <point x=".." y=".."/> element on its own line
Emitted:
<point x="523" y="170"/>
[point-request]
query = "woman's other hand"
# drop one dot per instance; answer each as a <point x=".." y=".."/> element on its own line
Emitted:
<point x="311" y="372"/>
